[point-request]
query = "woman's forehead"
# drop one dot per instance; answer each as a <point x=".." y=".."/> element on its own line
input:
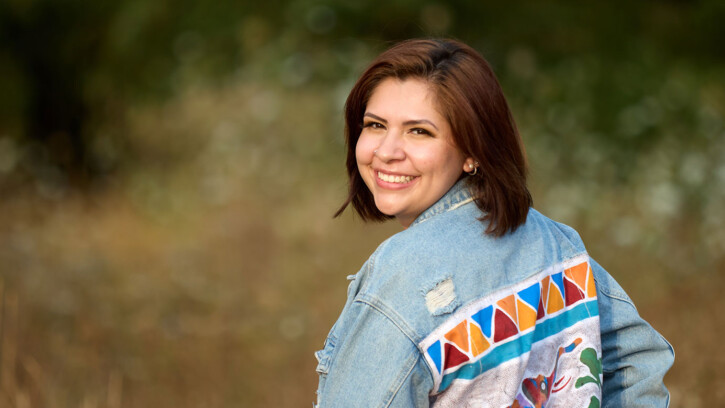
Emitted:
<point x="404" y="97"/>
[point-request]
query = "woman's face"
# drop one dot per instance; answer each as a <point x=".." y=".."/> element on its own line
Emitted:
<point x="405" y="152"/>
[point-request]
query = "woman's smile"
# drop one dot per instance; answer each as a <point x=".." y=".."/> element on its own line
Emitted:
<point x="393" y="178"/>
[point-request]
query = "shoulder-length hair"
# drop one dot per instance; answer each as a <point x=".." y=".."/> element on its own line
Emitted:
<point x="469" y="96"/>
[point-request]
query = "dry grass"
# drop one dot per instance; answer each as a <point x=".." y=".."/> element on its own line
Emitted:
<point x="104" y="306"/>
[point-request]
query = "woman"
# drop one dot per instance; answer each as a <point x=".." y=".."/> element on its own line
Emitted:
<point x="480" y="300"/>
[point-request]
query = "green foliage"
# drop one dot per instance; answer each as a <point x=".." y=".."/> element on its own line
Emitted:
<point x="585" y="380"/>
<point x="590" y="359"/>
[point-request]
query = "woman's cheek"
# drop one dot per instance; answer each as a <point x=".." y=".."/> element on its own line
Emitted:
<point x="364" y="149"/>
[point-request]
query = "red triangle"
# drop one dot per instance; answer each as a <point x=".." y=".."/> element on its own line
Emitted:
<point x="453" y="356"/>
<point x="505" y="327"/>
<point x="540" y="313"/>
<point x="573" y="293"/>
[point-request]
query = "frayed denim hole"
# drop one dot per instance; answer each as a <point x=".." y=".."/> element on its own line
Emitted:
<point x="440" y="298"/>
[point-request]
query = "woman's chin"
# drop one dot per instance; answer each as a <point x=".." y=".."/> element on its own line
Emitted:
<point x="387" y="211"/>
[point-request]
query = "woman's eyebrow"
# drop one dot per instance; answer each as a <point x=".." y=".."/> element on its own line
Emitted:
<point x="376" y="117"/>
<point x="418" y="122"/>
<point x="406" y="123"/>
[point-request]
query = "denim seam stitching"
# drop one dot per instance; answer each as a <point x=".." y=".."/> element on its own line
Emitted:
<point x="445" y="210"/>
<point x="372" y="302"/>
<point x="605" y="290"/>
<point x="371" y="264"/>
<point x="402" y="380"/>
<point x="611" y="295"/>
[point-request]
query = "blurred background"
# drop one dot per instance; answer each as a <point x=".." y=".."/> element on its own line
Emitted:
<point x="168" y="173"/>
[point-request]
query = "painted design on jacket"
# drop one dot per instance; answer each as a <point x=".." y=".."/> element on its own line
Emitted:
<point x="506" y="334"/>
<point x="537" y="390"/>
<point x="594" y="363"/>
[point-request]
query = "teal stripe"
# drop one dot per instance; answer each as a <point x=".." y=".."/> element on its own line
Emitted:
<point x="522" y="345"/>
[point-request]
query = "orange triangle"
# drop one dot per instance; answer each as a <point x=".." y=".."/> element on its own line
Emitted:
<point x="459" y="336"/>
<point x="479" y="344"/>
<point x="556" y="301"/>
<point x="578" y="274"/>
<point x="508" y="305"/>
<point x="591" y="287"/>
<point x="544" y="289"/>
<point x="527" y="316"/>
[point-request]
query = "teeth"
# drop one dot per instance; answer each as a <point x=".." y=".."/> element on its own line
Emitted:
<point x="394" y="179"/>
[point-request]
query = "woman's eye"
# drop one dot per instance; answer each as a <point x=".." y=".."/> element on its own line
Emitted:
<point x="420" y="131"/>
<point x="373" y="125"/>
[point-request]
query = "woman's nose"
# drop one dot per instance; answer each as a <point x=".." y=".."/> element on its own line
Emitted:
<point x="390" y="148"/>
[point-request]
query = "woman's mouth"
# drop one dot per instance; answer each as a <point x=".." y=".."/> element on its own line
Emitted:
<point x="390" y="178"/>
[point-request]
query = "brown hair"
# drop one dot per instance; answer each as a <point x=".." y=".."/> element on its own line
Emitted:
<point x="470" y="98"/>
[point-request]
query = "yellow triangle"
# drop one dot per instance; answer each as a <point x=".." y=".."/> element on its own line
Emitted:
<point x="479" y="344"/>
<point x="591" y="287"/>
<point x="556" y="302"/>
<point x="527" y="316"/>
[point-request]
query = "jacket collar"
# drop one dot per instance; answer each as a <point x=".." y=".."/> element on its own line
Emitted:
<point x="457" y="196"/>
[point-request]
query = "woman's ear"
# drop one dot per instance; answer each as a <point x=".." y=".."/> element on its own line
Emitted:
<point x="470" y="166"/>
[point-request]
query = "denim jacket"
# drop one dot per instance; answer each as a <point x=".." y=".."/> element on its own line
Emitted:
<point x="444" y="315"/>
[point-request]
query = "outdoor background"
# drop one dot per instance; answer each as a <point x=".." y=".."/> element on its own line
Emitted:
<point x="169" y="169"/>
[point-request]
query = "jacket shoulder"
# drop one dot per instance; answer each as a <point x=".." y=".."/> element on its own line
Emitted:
<point x="428" y="271"/>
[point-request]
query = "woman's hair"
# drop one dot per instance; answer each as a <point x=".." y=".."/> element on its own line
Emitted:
<point x="469" y="96"/>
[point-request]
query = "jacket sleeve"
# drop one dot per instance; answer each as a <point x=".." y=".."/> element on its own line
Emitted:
<point x="375" y="365"/>
<point x="635" y="357"/>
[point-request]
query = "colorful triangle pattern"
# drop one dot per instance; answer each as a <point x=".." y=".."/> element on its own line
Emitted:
<point x="511" y="315"/>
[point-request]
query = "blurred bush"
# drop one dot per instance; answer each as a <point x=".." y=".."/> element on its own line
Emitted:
<point x="168" y="171"/>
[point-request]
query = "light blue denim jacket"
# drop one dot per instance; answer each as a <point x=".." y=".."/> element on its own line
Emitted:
<point x="415" y="331"/>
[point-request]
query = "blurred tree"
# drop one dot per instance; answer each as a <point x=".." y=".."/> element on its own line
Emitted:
<point x="68" y="61"/>
<point x="71" y="65"/>
<point x="56" y="46"/>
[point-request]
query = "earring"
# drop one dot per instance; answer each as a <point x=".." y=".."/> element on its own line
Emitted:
<point x="474" y="169"/>
<point x="375" y="152"/>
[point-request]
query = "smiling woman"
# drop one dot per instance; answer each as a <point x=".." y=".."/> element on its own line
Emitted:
<point x="458" y="87"/>
<point x="405" y="153"/>
<point x="480" y="300"/>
